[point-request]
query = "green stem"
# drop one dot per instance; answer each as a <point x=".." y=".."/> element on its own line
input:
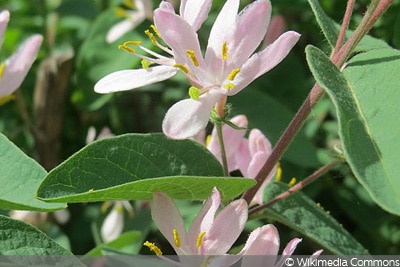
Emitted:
<point x="218" y="126"/>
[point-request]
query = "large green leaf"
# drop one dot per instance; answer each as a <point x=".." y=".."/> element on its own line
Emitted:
<point x="20" y="177"/>
<point x="20" y="238"/>
<point x="367" y="107"/>
<point x="133" y="166"/>
<point x="302" y="214"/>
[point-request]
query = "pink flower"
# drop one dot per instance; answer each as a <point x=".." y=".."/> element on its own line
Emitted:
<point x="246" y="155"/>
<point x="228" y="65"/>
<point x="144" y="9"/>
<point x="16" y="67"/>
<point x="211" y="235"/>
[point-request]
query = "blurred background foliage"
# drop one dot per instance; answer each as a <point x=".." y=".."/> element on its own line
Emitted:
<point x="76" y="29"/>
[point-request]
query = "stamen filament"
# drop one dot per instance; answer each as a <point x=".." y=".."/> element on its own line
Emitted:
<point x="176" y="238"/>
<point x="191" y="54"/>
<point x="153" y="247"/>
<point x="200" y="239"/>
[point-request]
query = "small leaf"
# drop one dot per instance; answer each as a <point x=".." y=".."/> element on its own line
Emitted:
<point x="133" y="166"/>
<point x="302" y="214"/>
<point x="325" y="23"/>
<point x="366" y="106"/>
<point x="20" y="177"/>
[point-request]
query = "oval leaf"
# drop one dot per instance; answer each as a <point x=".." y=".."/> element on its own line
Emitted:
<point x="302" y="214"/>
<point x="133" y="166"/>
<point x="366" y="105"/>
<point x="20" y="177"/>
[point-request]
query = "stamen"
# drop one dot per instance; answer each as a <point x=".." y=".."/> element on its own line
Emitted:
<point x="153" y="247"/>
<point x="208" y="139"/>
<point x="129" y="3"/>
<point x="292" y="182"/>
<point x="2" y="68"/>
<point x="127" y="48"/>
<point x="153" y="27"/>
<point x="278" y="173"/>
<point x="182" y="68"/>
<point x="176" y="238"/>
<point x="229" y="86"/>
<point x="224" y="51"/>
<point x="120" y="12"/>
<point x="132" y="43"/>
<point x="192" y="56"/>
<point x="233" y="74"/>
<point x="200" y="239"/>
<point x="151" y="36"/>
<point x="145" y="64"/>
<point x="194" y="93"/>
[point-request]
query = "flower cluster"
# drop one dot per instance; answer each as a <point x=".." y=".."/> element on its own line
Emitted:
<point x="229" y="64"/>
<point x="14" y="69"/>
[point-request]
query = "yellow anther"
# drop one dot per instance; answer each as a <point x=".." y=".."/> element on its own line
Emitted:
<point x="127" y="43"/>
<point x="208" y="139"/>
<point x="194" y="93"/>
<point x="229" y="86"/>
<point x="176" y="238"/>
<point x="153" y="247"/>
<point x="145" y="64"/>
<point x="127" y="48"/>
<point x="105" y="206"/>
<point x="278" y="172"/>
<point x="120" y="12"/>
<point x="292" y="182"/>
<point x="153" y="27"/>
<point x="182" y="68"/>
<point x="233" y="74"/>
<point x="2" y="68"/>
<point x="200" y="239"/>
<point x="191" y="54"/>
<point x="90" y="190"/>
<point x="224" y="51"/>
<point x="151" y="36"/>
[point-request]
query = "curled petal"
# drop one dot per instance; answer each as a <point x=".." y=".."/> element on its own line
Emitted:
<point x="291" y="246"/>
<point x="262" y="241"/>
<point x="188" y="117"/>
<point x="18" y="65"/>
<point x="195" y="12"/>
<point x="204" y="220"/>
<point x="258" y="142"/>
<point x="226" y="228"/>
<point x="167" y="217"/>
<point x="124" y="26"/>
<point x="130" y="79"/>
<point x="263" y="61"/>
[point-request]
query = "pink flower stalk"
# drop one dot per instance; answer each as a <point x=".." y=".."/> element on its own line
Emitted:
<point x="229" y="64"/>
<point x="144" y="10"/>
<point x="211" y="234"/>
<point x="16" y="67"/>
<point x="245" y="154"/>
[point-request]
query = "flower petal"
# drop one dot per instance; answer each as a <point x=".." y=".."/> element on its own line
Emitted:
<point x="179" y="35"/>
<point x="205" y="219"/>
<point x="113" y="224"/>
<point x="124" y="26"/>
<point x="18" y="65"/>
<point x="251" y="27"/>
<point x="265" y="60"/>
<point x="4" y="18"/>
<point x="226" y="228"/>
<point x="262" y="241"/>
<point x="195" y="12"/>
<point x="188" y="117"/>
<point x="130" y="79"/>
<point x="291" y="246"/>
<point x="167" y="217"/>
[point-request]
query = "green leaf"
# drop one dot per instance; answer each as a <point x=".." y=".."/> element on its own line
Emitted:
<point x="133" y="166"/>
<point x="20" y="177"/>
<point x="367" y="108"/>
<point x="302" y="214"/>
<point x="324" y="22"/>
<point x="20" y="238"/>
